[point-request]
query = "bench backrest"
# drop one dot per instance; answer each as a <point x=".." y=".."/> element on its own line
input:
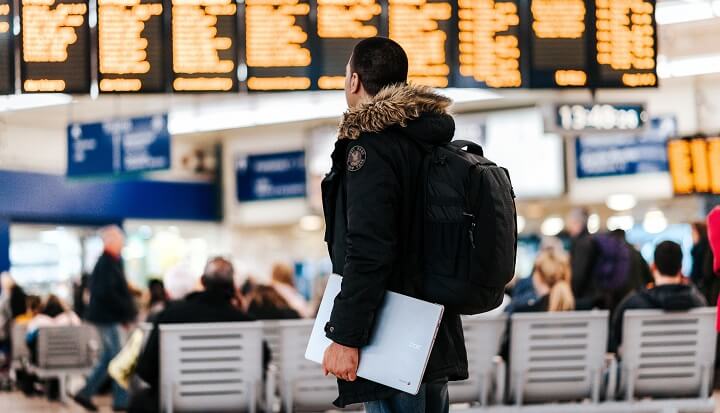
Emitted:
<point x="557" y="356"/>
<point x="302" y="381"/>
<point x="66" y="347"/>
<point x="482" y="340"/>
<point x="210" y="366"/>
<point x="668" y="354"/>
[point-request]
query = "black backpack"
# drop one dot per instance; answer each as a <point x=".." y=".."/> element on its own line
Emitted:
<point x="470" y="230"/>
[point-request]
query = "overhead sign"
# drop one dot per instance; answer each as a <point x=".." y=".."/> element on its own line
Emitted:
<point x="623" y="154"/>
<point x="118" y="146"/>
<point x="130" y="46"/>
<point x="55" y="52"/>
<point x="600" y="117"/>
<point x="695" y="165"/>
<point x="262" y="45"/>
<point x="270" y="176"/>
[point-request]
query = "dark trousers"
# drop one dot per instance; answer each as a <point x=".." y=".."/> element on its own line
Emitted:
<point x="432" y="398"/>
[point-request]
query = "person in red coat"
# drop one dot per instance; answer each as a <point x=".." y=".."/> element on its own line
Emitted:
<point x="713" y="229"/>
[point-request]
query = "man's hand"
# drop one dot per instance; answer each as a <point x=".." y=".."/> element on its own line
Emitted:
<point x="341" y="361"/>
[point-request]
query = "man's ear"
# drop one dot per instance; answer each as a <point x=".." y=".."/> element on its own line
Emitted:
<point x="355" y="84"/>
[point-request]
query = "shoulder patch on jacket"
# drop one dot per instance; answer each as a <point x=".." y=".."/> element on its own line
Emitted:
<point x="356" y="158"/>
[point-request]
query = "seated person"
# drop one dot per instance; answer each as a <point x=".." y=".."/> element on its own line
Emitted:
<point x="33" y="305"/>
<point x="551" y="281"/>
<point x="671" y="292"/>
<point x="53" y="313"/>
<point x="267" y="304"/>
<point x="283" y="280"/>
<point x="213" y="304"/>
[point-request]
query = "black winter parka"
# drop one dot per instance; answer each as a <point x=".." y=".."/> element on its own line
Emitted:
<point x="374" y="223"/>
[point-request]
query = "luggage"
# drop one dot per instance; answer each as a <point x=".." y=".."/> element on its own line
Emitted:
<point x="470" y="229"/>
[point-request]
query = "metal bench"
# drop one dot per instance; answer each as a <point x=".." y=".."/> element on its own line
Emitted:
<point x="668" y="354"/>
<point x="63" y="352"/>
<point x="482" y="340"/>
<point x="557" y="356"/>
<point x="210" y="366"/>
<point x="303" y="385"/>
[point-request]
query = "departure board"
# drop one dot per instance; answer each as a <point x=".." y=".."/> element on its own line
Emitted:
<point x="559" y="43"/>
<point x="277" y="49"/>
<point x="340" y="25"/>
<point x="489" y="44"/>
<point x="421" y="27"/>
<point x="7" y="57"/>
<point x="130" y="46"/>
<point x="695" y="165"/>
<point x="55" y="55"/>
<point x="204" y="43"/>
<point x="626" y="43"/>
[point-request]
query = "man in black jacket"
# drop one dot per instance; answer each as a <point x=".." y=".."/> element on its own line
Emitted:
<point x="671" y="292"/>
<point x="582" y="259"/>
<point x="111" y="307"/>
<point x="373" y="228"/>
<point x="214" y="304"/>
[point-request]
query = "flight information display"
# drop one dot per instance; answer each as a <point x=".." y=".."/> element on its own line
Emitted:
<point x="55" y="53"/>
<point x="158" y="46"/>
<point x="277" y="50"/>
<point x="422" y="28"/>
<point x="559" y="43"/>
<point x="695" y="165"/>
<point x="341" y="24"/>
<point x="7" y="57"/>
<point x="130" y="46"/>
<point x="489" y="44"/>
<point x="204" y="45"/>
<point x="626" y="43"/>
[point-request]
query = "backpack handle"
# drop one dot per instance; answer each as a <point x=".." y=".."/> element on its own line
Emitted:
<point x="472" y="147"/>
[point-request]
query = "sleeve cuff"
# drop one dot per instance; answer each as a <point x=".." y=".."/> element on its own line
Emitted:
<point x="347" y="338"/>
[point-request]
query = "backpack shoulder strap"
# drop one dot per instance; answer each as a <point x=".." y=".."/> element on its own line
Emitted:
<point x="472" y="147"/>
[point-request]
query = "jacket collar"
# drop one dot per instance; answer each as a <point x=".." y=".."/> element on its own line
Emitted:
<point x="393" y="105"/>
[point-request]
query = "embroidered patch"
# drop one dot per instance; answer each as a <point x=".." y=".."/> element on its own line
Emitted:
<point x="356" y="158"/>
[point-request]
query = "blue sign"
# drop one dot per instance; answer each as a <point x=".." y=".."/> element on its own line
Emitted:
<point x="623" y="154"/>
<point x="271" y="176"/>
<point x="118" y="146"/>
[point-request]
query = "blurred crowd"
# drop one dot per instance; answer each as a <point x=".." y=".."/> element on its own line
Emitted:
<point x="600" y="271"/>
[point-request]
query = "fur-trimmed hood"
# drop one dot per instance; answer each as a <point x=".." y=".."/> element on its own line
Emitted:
<point x="397" y="105"/>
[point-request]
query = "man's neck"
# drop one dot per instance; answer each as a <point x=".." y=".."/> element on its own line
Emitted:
<point x="113" y="254"/>
<point x="664" y="280"/>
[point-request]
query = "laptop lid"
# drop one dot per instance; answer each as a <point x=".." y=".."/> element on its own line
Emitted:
<point x="400" y="343"/>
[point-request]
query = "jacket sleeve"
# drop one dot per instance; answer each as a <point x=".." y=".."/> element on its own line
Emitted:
<point x="372" y="190"/>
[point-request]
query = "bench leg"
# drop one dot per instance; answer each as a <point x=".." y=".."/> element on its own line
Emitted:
<point x="519" y="389"/>
<point x="252" y="399"/>
<point x="62" y="386"/>
<point x="287" y="396"/>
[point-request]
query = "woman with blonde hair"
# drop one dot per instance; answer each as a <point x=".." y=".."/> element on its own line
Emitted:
<point x="551" y="279"/>
<point x="283" y="280"/>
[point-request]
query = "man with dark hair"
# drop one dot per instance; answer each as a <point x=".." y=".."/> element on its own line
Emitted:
<point x="213" y="304"/>
<point x="374" y="222"/>
<point x="671" y="291"/>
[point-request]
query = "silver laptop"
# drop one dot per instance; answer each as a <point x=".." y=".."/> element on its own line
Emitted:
<point x="400" y="343"/>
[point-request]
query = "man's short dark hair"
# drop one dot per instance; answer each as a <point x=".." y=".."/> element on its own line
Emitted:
<point x="668" y="258"/>
<point x="219" y="277"/>
<point x="379" y="62"/>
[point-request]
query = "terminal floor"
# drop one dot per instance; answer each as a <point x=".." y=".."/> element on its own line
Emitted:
<point x="16" y="402"/>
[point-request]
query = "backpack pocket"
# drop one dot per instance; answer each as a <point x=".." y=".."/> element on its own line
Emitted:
<point x="448" y="250"/>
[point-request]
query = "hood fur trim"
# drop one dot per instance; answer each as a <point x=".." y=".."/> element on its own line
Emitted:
<point x="393" y="105"/>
